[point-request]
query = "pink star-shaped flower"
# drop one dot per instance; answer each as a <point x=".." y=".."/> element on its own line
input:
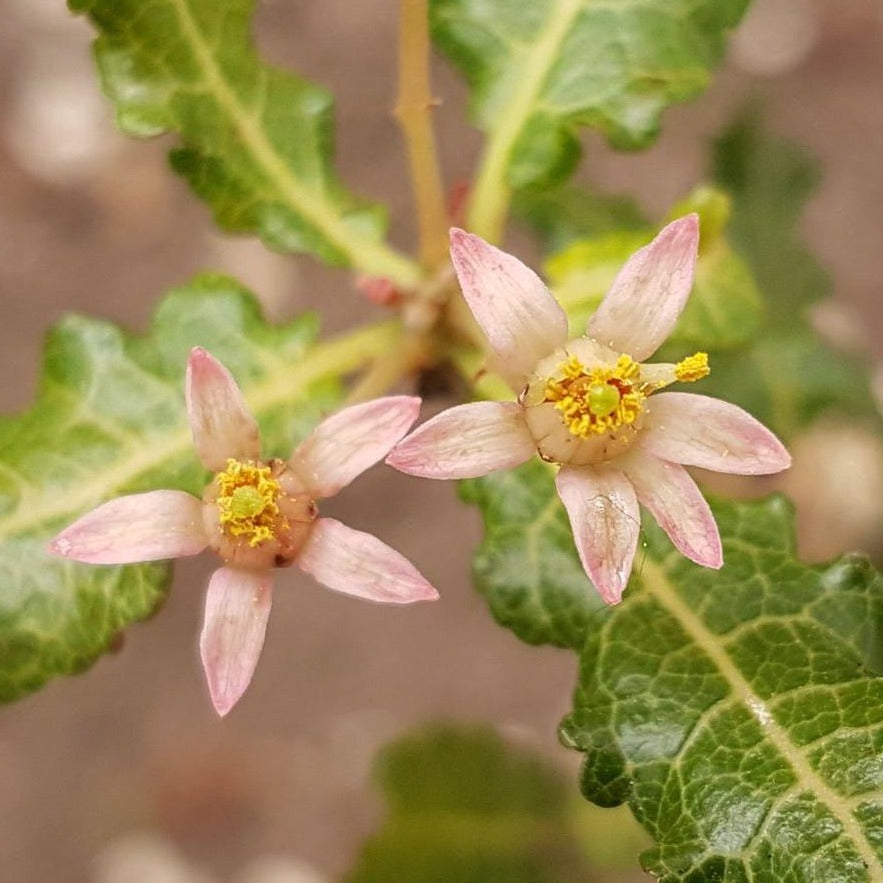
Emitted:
<point x="257" y="515"/>
<point x="592" y="406"/>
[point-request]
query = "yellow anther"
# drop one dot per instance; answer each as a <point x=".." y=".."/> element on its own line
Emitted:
<point x="692" y="368"/>
<point x="247" y="494"/>
<point x="597" y="400"/>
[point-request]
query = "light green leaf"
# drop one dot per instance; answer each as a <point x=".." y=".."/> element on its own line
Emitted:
<point x="787" y="376"/>
<point x="724" y="309"/>
<point x="109" y="419"/>
<point x="540" y="70"/>
<point x="257" y="141"/>
<point x="738" y="712"/>
<point x="464" y="807"/>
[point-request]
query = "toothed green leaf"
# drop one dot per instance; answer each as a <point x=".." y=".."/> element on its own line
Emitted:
<point x="541" y="70"/>
<point x="738" y="712"/>
<point x="256" y="142"/>
<point x="109" y="419"/>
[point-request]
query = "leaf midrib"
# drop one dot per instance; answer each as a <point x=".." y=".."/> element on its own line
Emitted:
<point x="333" y="358"/>
<point x="490" y="184"/>
<point x="657" y="584"/>
<point x="370" y="256"/>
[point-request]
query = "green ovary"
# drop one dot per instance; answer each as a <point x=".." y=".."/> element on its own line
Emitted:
<point x="603" y="399"/>
<point x="246" y="502"/>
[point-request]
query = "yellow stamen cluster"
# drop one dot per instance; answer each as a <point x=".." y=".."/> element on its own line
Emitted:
<point x="692" y="368"/>
<point x="598" y="400"/>
<point x="247" y="507"/>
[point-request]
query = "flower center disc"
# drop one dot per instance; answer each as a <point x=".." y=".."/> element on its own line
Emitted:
<point x="247" y="501"/>
<point x="596" y="401"/>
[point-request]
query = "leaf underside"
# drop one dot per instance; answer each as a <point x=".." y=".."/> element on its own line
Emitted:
<point x="110" y="419"/>
<point x="738" y="712"/>
<point x="540" y="70"/>
<point x="256" y="141"/>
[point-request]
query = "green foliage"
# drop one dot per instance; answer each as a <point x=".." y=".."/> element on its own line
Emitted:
<point x="567" y="213"/>
<point x="539" y="70"/>
<point x="525" y="566"/>
<point x="463" y="807"/>
<point x="736" y="711"/>
<point x="110" y="419"/>
<point x="770" y="182"/>
<point x="724" y="310"/>
<point x="755" y="282"/>
<point x="787" y="376"/>
<point x="257" y="142"/>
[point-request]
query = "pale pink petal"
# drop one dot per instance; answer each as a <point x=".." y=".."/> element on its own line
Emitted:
<point x="359" y="564"/>
<point x="649" y="292"/>
<point x="347" y="443"/>
<point x="237" y="606"/>
<point x="677" y="504"/>
<point x="696" y="430"/>
<point x="138" y="527"/>
<point x="518" y="314"/>
<point x="605" y="520"/>
<point x="466" y="441"/>
<point x="220" y="421"/>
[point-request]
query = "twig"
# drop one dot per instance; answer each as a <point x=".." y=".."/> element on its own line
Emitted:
<point x="413" y="114"/>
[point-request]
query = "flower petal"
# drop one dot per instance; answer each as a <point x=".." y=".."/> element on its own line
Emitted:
<point x="649" y="292"/>
<point x="466" y="441"/>
<point x="359" y="564"/>
<point x="518" y="314"/>
<point x="237" y="605"/>
<point x="605" y="520"/>
<point x="220" y="421"/>
<point x="137" y="527"/>
<point x="677" y="504"/>
<point x="696" y="430"/>
<point x="347" y="443"/>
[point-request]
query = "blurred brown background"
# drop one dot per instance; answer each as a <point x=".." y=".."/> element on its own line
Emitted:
<point x="124" y="773"/>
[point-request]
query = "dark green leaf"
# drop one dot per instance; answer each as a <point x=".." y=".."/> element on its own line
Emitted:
<point x="257" y="142"/>
<point x="788" y="379"/>
<point x="737" y="712"/>
<point x="109" y="419"/>
<point x="770" y="182"/>
<point x="525" y="566"/>
<point x="464" y="807"/>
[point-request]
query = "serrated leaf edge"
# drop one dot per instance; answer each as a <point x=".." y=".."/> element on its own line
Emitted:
<point x="369" y="256"/>
<point x="657" y="585"/>
<point x="282" y="384"/>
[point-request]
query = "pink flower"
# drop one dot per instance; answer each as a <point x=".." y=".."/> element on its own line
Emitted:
<point x="256" y="515"/>
<point x="591" y="406"/>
